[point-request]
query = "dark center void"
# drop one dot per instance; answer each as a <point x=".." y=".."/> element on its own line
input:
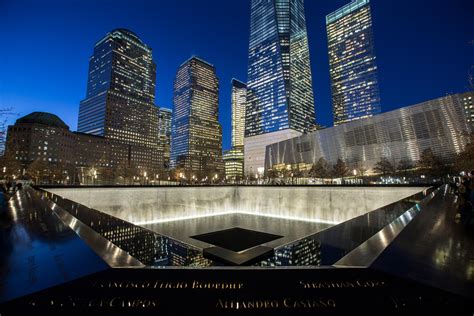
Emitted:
<point x="236" y="239"/>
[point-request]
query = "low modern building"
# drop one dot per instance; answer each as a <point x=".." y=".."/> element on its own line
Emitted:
<point x="234" y="164"/>
<point x="402" y="134"/>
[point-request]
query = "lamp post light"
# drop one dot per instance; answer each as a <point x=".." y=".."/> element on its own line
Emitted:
<point x="94" y="175"/>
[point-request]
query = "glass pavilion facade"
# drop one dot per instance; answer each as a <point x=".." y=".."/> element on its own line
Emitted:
<point x="400" y="135"/>
<point x="352" y="62"/>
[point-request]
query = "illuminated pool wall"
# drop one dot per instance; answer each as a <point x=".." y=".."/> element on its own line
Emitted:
<point x="317" y="204"/>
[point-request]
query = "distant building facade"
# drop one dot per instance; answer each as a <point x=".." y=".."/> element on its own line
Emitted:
<point x="234" y="158"/>
<point x="234" y="164"/>
<point x="196" y="141"/>
<point x="280" y="101"/>
<point x="120" y="99"/>
<point x="468" y="102"/>
<point x="44" y="137"/>
<point x="352" y="62"/>
<point x="402" y="134"/>
<point x="239" y="102"/>
<point x="164" y="130"/>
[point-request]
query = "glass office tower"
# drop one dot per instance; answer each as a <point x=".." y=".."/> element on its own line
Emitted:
<point x="239" y="101"/>
<point x="352" y="62"/>
<point x="280" y="101"/>
<point x="196" y="142"/>
<point x="164" y="130"/>
<point x="280" y="92"/>
<point x="234" y="158"/>
<point x="120" y="99"/>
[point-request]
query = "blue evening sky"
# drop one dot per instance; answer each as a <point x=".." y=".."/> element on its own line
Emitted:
<point x="422" y="48"/>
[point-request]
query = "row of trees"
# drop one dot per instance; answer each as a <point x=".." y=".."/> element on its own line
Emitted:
<point x="429" y="165"/>
<point x="44" y="172"/>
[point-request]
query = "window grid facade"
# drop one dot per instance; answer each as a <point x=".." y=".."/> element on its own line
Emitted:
<point x="239" y="101"/>
<point x="280" y="93"/>
<point x="164" y="130"/>
<point x="196" y="143"/>
<point x="120" y="99"/>
<point x="468" y="102"/>
<point x="352" y="61"/>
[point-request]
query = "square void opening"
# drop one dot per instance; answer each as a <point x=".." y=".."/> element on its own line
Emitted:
<point x="236" y="239"/>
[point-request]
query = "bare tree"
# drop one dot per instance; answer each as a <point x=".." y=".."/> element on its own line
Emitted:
<point x="38" y="170"/>
<point x="5" y="113"/>
<point x="471" y="72"/>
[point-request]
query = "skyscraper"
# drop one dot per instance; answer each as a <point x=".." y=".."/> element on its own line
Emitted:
<point x="234" y="158"/>
<point x="280" y="102"/>
<point x="120" y="99"/>
<point x="352" y="62"/>
<point x="196" y="142"/>
<point x="239" y="97"/>
<point x="164" y="130"/>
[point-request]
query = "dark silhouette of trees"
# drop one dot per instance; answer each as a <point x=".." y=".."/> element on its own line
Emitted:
<point x="465" y="160"/>
<point x="320" y="169"/>
<point x="431" y="165"/>
<point x="340" y="169"/>
<point x="384" y="167"/>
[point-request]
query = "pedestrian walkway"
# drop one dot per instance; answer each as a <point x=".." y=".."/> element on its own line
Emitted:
<point x="433" y="249"/>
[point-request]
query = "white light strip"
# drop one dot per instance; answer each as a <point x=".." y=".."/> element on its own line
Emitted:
<point x="175" y="219"/>
<point x="293" y="218"/>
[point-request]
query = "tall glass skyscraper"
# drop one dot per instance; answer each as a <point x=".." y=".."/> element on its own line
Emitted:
<point x="120" y="99"/>
<point x="234" y="158"/>
<point x="196" y="142"/>
<point x="239" y="97"/>
<point x="353" y="69"/>
<point x="164" y="130"/>
<point x="280" y="94"/>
